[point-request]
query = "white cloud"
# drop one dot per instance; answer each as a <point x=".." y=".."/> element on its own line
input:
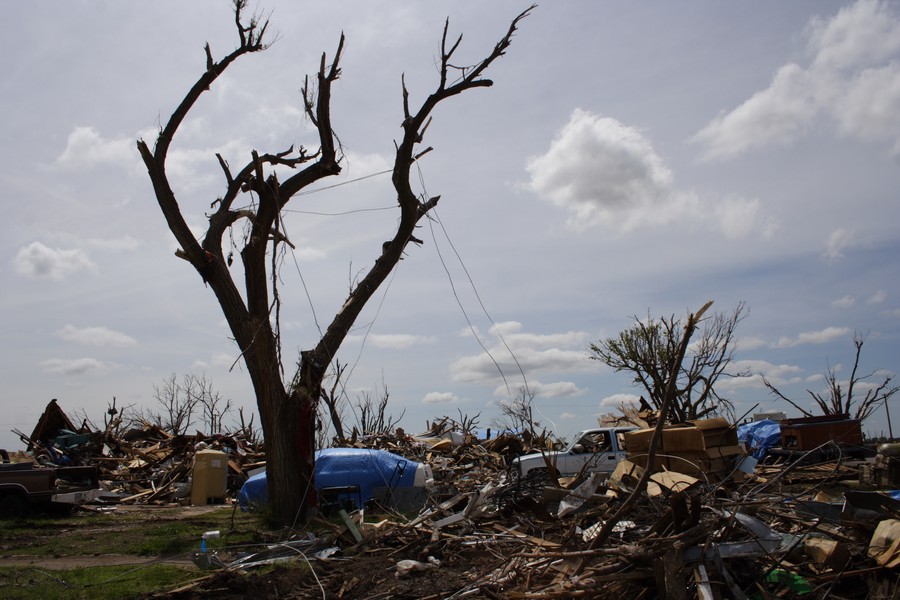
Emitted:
<point x="751" y="343"/>
<point x="605" y="173"/>
<point x="75" y="366"/>
<point x="776" y="115"/>
<point x="738" y="217"/>
<point x="617" y="400"/>
<point x="870" y="108"/>
<point x="398" y="341"/>
<point x="440" y="398"/>
<point x="87" y="148"/>
<point x="219" y="360"/>
<point x="41" y="262"/>
<point x="845" y="302"/>
<point x="862" y="33"/>
<point x="532" y="353"/>
<point x="123" y="243"/>
<point x="567" y="416"/>
<point x="853" y="79"/>
<point x="96" y="336"/>
<point x="822" y="336"/>
<point x="365" y="165"/>
<point x="309" y="254"/>
<point x="877" y="298"/>
<point x="777" y="374"/>
<point x="192" y="168"/>
<point x="557" y="389"/>
<point x="599" y="169"/>
<point x="838" y="241"/>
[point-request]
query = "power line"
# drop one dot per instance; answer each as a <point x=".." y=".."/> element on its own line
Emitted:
<point x="477" y="295"/>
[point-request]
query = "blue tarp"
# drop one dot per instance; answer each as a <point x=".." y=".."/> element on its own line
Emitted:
<point x="760" y="436"/>
<point x="339" y="467"/>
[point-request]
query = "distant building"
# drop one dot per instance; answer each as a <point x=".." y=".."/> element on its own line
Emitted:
<point x="772" y="416"/>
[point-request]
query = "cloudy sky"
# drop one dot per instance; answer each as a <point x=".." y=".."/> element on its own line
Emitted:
<point x="631" y="157"/>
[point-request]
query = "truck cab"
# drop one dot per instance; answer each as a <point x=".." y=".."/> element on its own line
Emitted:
<point x="24" y="486"/>
<point x="593" y="450"/>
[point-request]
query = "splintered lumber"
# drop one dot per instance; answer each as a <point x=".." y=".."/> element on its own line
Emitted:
<point x="522" y="536"/>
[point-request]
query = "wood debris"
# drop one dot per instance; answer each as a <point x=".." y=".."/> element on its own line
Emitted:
<point x="695" y="528"/>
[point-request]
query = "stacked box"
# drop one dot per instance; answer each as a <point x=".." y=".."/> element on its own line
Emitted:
<point x="707" y="446"/>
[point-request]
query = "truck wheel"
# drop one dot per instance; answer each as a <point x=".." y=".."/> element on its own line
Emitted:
<point x="13" y="506"/>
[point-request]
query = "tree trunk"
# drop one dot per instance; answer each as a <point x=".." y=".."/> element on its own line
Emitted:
<point x="289" y="433"/>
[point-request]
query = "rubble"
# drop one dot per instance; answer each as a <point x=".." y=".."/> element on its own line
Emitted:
<point x="145" y="465"/>
<point x="700" y="524"/>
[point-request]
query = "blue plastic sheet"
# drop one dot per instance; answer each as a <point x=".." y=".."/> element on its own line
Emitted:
<point x="338" y="467"/>
<point x="760" y="436"/>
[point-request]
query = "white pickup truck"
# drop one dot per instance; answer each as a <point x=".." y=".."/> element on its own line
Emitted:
<point x="597" y="450"/>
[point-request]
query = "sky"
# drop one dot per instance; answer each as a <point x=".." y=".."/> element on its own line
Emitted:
<point x="630" y="159"/>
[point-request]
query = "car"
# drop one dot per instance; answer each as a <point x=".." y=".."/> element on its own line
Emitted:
<point x="594" y="450"/>
<point x="354" y="477"/>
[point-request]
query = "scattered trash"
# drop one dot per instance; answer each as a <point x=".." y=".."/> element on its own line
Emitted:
<point x="405" y="567"/>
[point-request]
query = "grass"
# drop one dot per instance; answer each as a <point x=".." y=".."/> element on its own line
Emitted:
<point x="154" y="532"/>
<point x="100" y="583"/>
<point x="148" y="533"/>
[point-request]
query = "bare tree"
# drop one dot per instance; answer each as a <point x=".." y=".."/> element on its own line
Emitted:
<point x="115" y="419"/>
<point x="176" y="403"/>
<point x="247" y="429"/>
<point x="374" y="418"/>
<point x="517" y="413"/>
<point x="288" y="408"/>
<point x="332" y="399"/>
<point x="649" y="351"/>
<point x="181" y="403"/>
<point x="466" y="425"/>
<point x="214" y="406"/>
<point x="840" y="400"/>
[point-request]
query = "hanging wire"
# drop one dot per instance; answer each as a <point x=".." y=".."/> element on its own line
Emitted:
<point x="328" y="187"/>
<point x="436" y="218"/>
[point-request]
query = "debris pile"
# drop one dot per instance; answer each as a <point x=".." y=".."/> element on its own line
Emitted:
<point x="705" y="522"/>
<point x="138" y="464"/>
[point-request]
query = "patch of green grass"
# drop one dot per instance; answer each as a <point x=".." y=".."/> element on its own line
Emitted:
<point x="154" y="532"/>
<point x="94" y="583"/>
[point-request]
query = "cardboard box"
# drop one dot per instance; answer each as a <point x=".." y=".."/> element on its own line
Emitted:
<point x="716" y="432"/>
<point x="695" y="436"/>
<point x="715" y="460"/>
<point x="661" y="462"/>
<point x="682" y="439"/>
<point x="689" y="463"/>
<point x="638" y="441"/>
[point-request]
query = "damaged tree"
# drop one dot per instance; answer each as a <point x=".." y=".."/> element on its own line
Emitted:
<point x="288" y="408"/>
<point x="838" y="400"/>
<point x="649" y="351"/>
